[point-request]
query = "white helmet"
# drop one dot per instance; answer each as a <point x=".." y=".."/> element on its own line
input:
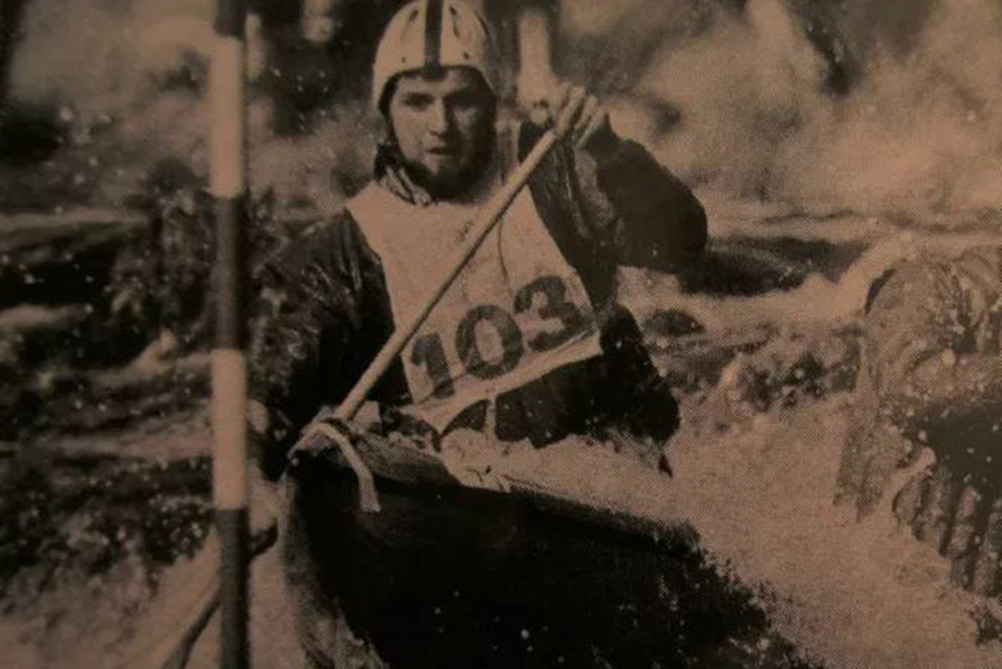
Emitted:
<point x="430" y="33"/>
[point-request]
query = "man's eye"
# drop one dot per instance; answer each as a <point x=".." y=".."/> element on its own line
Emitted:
<point x="464" y="101"/>
<point x="417" y="101"/>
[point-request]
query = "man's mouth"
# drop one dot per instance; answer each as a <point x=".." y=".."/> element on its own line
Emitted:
<point x="445" y="150"/>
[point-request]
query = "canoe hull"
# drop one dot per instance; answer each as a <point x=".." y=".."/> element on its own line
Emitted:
<point x="448" y="576"/>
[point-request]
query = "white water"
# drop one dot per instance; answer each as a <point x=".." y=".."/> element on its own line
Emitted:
<point x="854" y="595"/>
<point x="759" y="490"/>
<point x="759" y="493"/>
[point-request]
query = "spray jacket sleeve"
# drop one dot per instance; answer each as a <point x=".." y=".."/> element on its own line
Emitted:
<point x="652" y="219"/>
<point x="617" y="206"/>
<point x="323" y="318"/>
<point x="662" y="225"/>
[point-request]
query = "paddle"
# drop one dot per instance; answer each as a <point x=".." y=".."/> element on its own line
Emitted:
<point x="187" y="634"/>
<point x="488" y="218"/>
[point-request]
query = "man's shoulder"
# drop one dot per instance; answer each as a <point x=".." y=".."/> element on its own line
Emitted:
<point x="321" y="243"/>
<point x="330" y="225"/>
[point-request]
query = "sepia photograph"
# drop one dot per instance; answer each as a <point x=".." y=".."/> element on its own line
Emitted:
<point x="600" y="334"/>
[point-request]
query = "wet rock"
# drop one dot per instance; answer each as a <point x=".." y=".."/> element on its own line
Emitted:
<point x="784" y="370"/>
<point x="738" y="268"/>
<point x="796" y="366"/>
<point x="671" y="323"/>
<point x="58" y="259"/>
<point x="32" y="335"/>
<point x="747" y="266"/>
<point x="80" y="513"/>
<point x="29" y="134"/>
<point x="696" y="361"/>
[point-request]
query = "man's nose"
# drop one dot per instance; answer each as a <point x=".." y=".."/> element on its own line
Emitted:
<point x="439" y="121"/>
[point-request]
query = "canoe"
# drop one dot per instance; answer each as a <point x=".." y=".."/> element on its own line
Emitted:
<point x="551" y="571"/>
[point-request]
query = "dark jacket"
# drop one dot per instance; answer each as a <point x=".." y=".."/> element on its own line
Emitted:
<point x="330" y="312"/>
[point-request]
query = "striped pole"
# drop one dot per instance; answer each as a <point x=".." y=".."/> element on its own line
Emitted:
<point x="227" y="180"/>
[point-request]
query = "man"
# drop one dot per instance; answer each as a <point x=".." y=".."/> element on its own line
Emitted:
<point x="529" y="343"/>
<point x="933" y="374"/>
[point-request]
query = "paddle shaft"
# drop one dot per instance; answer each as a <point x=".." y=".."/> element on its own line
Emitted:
<point x="488" y="218"/>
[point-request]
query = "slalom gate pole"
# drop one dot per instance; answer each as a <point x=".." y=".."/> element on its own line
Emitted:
<point x="227" y="181"/>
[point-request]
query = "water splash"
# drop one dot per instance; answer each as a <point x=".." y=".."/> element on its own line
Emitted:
<point x="856" y="595"/>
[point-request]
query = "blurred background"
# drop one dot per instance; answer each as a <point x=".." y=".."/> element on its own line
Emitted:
<point x="824" y="105"/>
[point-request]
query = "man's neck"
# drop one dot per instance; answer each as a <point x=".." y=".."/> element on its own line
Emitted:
<point x="409" y="185"/>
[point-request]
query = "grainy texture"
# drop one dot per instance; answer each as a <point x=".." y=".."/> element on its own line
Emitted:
<point x="830" y="339"/>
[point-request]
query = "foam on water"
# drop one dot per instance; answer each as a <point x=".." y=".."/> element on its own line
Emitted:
<point x="759" y="490"/>
<point x="817" y="302"/>
<point x="852" y="594"/>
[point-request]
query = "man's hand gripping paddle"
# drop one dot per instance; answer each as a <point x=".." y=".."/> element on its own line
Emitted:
<point x="335" y="427"/>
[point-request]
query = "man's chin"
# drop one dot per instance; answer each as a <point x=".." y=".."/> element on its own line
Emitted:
<point x="445" y="182"/>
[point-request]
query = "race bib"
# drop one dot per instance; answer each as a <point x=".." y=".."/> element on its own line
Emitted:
<point x="517" y="311"/>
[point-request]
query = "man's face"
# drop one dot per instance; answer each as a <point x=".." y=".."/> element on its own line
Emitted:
<point x="444" y="126"/>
